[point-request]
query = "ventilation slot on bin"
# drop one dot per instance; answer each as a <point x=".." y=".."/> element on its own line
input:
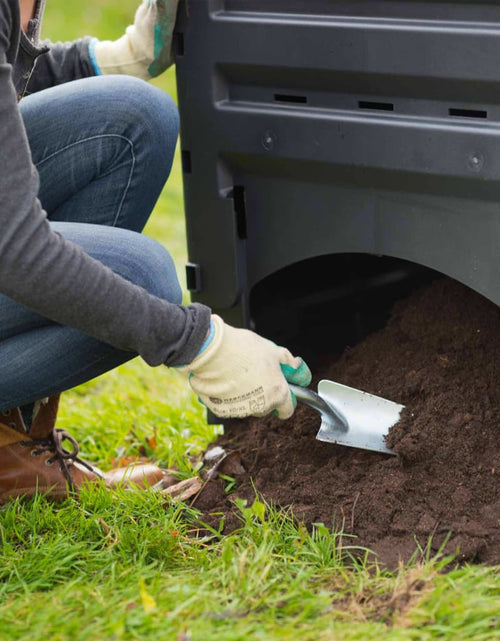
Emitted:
<point x="468" y="113"/>
<point x="296" y="100"/>
<point x="380" y="106"/>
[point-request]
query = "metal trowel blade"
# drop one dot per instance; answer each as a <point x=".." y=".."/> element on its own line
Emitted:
<point x="369" y="418"/>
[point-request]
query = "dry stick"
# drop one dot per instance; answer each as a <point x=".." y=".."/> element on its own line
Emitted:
<point x="262" y="445"/>
<point x="214" y="471"/>
<point x="183" y="490"/>
<point x="352" y="511"/>
<point x="211" y="474"/>
<point x="203" y="486"/>
<point x="434" y="531"/>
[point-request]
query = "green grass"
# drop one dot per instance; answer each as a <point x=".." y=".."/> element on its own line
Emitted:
<point x="125" y="566"/>
<point x="128" y="565"/>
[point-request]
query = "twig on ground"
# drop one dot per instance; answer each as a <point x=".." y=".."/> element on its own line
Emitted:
<point x="353" y="508"/>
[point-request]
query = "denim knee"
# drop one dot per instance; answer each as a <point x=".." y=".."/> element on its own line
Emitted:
<point x="140" y="112"/>
<point x="105" y="152"/>
<point x="133" y="256"/>
<point x="148" y="264"/>
<point x="139" y="103"/>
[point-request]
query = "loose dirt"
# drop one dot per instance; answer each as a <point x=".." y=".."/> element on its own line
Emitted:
<point x="439" y="355"/>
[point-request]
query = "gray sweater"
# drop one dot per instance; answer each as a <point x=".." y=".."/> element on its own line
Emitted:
<point x="38" y="267"/>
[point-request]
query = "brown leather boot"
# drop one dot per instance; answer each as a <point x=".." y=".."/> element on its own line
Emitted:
<point x="37" y="461"/>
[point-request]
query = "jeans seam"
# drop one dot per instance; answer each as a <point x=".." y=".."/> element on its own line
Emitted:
<point x="96" y="137"/>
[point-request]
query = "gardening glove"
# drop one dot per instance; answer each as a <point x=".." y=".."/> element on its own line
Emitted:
<point x="238" y="373"/>
<point x="145" y="50"/>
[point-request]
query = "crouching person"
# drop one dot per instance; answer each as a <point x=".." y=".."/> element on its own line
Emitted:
<point x="84" y="154"/>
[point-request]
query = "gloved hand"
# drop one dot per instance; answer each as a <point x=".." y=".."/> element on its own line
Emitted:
<point x="239" y="373"/>
<point x="145" y="50"/>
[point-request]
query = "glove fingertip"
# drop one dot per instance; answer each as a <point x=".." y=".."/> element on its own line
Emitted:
<point x="300" y="375"/>
<point x="304" y="375"/>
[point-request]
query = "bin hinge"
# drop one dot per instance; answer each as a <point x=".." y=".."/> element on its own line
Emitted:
<point x="240" y="210"/>
<point x="193" y="277"/>
<point x="178" y="44"/>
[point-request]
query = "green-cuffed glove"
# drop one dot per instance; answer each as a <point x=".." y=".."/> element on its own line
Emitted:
<point x="238" y="373"/>
<point x="145" y="50"/>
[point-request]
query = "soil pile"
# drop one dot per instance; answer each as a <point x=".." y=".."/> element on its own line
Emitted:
<point x="439" y="355"/>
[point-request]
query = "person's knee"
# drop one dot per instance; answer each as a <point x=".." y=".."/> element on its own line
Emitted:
<point x="160" y="120"/>
<point x="142" y="104"/>
<point x="135" y="257"/>
<point x="150" y="266"/>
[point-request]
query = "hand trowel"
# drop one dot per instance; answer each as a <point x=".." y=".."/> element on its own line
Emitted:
<point x="351" y="417"/>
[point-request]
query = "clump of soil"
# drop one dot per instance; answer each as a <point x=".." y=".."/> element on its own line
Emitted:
<point x="439" y="355"/>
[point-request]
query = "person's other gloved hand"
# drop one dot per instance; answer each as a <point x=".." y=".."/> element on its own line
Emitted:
<point x="238" y="373"/>
<point x="145" y="50"/>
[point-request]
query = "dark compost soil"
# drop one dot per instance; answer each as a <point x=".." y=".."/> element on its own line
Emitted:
<point x="439" y="355"/>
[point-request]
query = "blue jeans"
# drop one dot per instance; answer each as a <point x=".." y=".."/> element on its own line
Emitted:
<point x="103" y="148"/>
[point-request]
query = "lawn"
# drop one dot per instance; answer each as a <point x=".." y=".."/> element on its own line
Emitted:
<point x="126" y="566"/>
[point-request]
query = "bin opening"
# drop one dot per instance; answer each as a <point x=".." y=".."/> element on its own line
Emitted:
<point x="319" y="306"/>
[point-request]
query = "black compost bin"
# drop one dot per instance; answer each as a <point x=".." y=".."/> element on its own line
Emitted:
<point x="335" y="156"/>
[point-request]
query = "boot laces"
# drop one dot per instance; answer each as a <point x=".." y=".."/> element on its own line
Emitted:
<point x="65" y="457"/>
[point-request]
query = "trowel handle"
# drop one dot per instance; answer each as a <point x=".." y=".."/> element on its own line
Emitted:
<point x="315" y="401"/>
